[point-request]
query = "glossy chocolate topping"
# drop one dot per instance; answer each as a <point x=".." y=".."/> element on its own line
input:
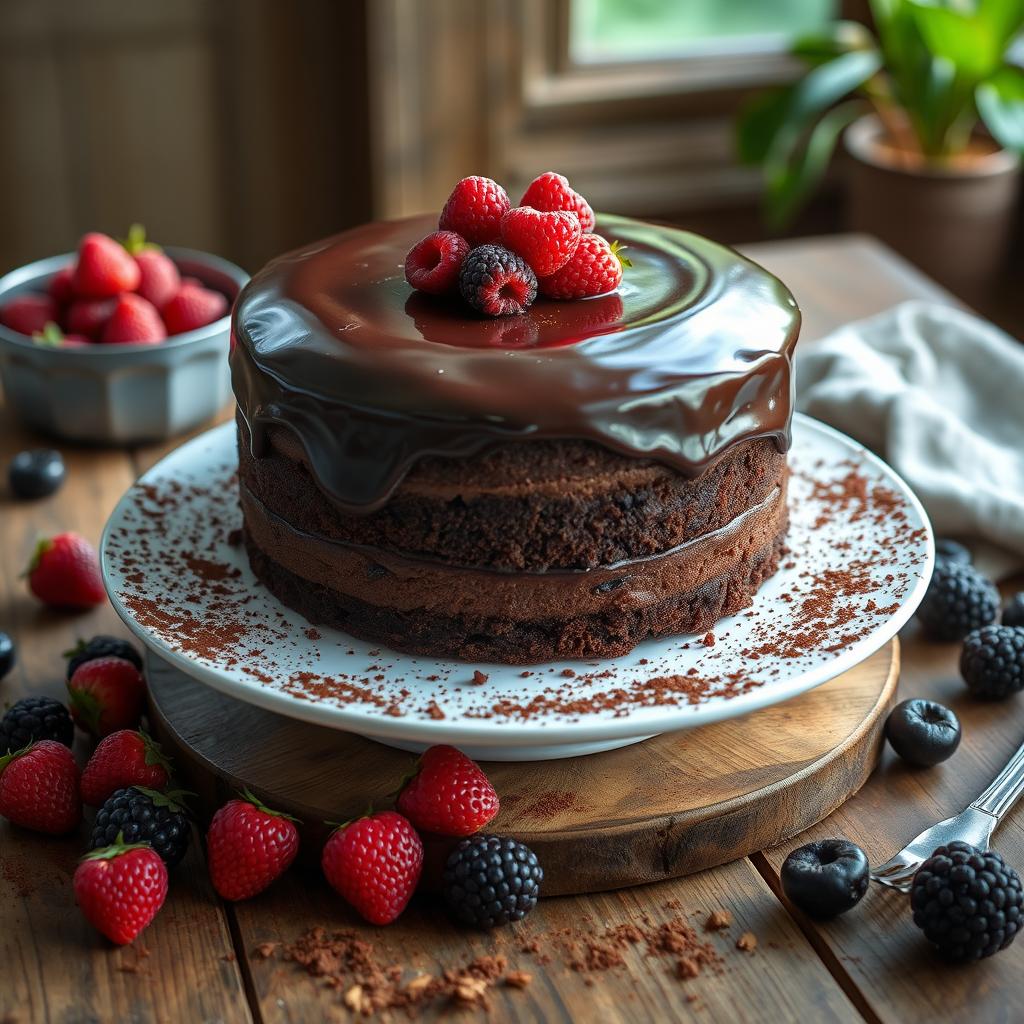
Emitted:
<point x="690" y="356"/>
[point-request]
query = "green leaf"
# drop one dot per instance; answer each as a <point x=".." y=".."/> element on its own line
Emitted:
<point x="759" y="122"/>
<point x="1004" y="17"/>
<point x="838" y="38"/>
<point x="789" y="184"/>
<point x="822" y="87"/>
<point x="1000" y="102"/>
<point x="972" y="43"/>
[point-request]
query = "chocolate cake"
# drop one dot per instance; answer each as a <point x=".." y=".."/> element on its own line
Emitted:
<point x="560" y="484"/>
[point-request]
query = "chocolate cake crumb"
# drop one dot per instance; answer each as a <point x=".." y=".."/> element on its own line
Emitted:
<point x="747" y="942"/>
<point x="518" y="979"/>
<point x="717" y="920"/>
<point x="479" y="678"/>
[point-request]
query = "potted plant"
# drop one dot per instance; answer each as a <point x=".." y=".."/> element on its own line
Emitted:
<point x="932" y="114"/>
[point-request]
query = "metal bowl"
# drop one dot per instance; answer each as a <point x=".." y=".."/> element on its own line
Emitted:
<point x="120" y="394"/>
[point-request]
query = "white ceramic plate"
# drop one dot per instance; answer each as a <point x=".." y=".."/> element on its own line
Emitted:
<point x="861" y="557"/>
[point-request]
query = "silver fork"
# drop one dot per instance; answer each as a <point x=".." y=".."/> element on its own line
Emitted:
<point x="974" y="825"/>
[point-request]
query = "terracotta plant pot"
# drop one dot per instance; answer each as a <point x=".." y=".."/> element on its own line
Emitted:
<point x="954" y="220"/>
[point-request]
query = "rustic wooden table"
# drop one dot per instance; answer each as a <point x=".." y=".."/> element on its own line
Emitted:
<point x="201" y="960"/>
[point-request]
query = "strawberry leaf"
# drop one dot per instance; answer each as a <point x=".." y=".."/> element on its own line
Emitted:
<point x="617" y="250"/>
<point x="136" y="240"/>
<point x="249" y="798"/>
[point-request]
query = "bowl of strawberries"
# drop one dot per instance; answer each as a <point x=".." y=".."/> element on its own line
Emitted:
<point x="119" y="342"/>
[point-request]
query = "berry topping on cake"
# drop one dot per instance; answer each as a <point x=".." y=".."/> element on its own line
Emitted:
<point x="551" y="191"/>
<point x="546" y="240"/>
<point x="967" y="902"/>
<point x="433" y="264"/>
<point x="475" y="209"/>
<point x="497" y="282"/>
<point x="594" y="269"/>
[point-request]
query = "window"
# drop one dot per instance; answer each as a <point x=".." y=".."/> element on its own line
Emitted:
<point x="604" y="31"/>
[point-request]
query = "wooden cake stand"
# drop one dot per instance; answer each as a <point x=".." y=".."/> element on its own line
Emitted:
<point x="670" y="806"/>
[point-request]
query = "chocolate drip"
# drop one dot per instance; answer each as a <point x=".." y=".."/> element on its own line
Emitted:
<point x="691" y="356"/>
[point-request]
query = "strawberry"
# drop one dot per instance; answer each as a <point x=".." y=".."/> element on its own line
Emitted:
<point x="474" y="210"/>
<point x="125" y="758"/>
<point x="61" y="286"/>
<point x="65" y="572"/>
<point x="193" y="307"/>
<point x="595" y="269"/>
<point x="104" y="268"/>
<point x="27" y="314"/>
<point x="106" y="694"/>
<point x="53" y="337"/>
<point x="545" y="240"/>
<point x="159" y="278"/>
<point x="134" y="320"/>
<point x="120" y="889"/>
<point x="550" y="191"/>
<point x="432" y="264"/>
<point x="375" y="863"/>
<point x="248" y="846"/>
<point x="39" y="788"/>
<point x="448" y="794"/>
<point x="88" y="317"/>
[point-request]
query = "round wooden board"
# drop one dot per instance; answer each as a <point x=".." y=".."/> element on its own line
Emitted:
<point x="669" y="806"/>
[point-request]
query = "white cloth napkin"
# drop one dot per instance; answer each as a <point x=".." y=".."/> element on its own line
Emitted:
<point x="938" y="394"/>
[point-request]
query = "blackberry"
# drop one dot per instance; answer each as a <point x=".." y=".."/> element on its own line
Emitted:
<point x="967" y="903"/>
<point x="490" y="880"/>
<point x="958" y="600"/>
<point x="35" y="718"/>
<point x="992" y="662"/>
<point x="101" y="647"/>
<point x="947" y="550"/>
<point x="6" y="654"/>
<point x="143" y="815"/>
<point x="826" y="878"/>
<point x="923" y="732"/>
<point x="1013" y="613"/>
<point x="497" y="282"/>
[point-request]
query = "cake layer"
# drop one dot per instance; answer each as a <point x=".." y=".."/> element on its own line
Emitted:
<point x="689" y="358"/>
<point x="528" y="507"/>
<point x="499" y="638"/>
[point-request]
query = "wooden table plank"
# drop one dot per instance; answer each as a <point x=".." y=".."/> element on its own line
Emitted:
<point x="780" y="981"/>
<point x="53" y="965"/>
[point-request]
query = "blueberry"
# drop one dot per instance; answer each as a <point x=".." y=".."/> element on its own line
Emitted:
<point x="6" y="654"/>
<point x="1013" y="613"/>
<point x="36" y="474"/>
<point x="922" y="731"/>
<point x="947" y="550"/>
<point x="826" y="878"/>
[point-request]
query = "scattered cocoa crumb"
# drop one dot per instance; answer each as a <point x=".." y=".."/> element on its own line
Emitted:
<point x="479" y="678"/>
<point x="518" y="979"/>
<point x="717" y="920"/>
<point x="709" y="640"/>
<point x="747" y="942"/>
<point x="265" y="950"/>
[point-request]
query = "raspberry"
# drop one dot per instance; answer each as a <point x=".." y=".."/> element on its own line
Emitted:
<point x="958" y="600"/>
<point x="594" y="269"/>
<point x="474" y="210"/>
<point x="545" y="240"/>
<point x="497" y="282"/>
<point x="967" y="902"/>
<point x="433" y="264"/>
<point x="992" y="662"/>
<point x="551" y="191"/>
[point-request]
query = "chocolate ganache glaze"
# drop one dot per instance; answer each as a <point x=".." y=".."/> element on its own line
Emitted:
<point x="691" y="355"/>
